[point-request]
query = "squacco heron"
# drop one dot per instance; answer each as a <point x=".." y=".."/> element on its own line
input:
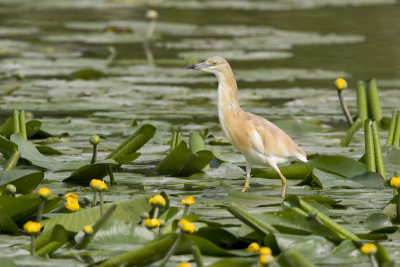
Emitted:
<point x="259" y="140"/>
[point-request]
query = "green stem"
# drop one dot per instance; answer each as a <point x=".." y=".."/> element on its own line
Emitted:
<point x="373" y="260"/>
<point x="349" y="135"/>
<point x="398" y="206"/>
<point x="396" y="135"/>
<point x="328" y="221"/>
<point x="94" y="200"/>
<point x="172" y="249"/>
<point x="111" y="175"/>
<point x="22" y="124"/>
<point x="99" y="223"/>
<point x="33" y="244"/>
<point x="197" y="256"/>
<point x="362" y="103"/>
<point x="186" y="211"/>
<point x="369" y="147"/>
<point x="389" y="140"/>
<point x="40" y="209"/>
<point x="380" y="167"/>
<point x="12" y="161"/>
<point x="101" y="202"/>
<point x="374" y="102"/>
<point x="344" y="108"/>
<point x="155" y="215"/>
<point x="93" y="160"/>
<point x="16" y="121"/>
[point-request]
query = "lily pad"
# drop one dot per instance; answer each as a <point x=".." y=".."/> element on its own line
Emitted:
<point x="24" y="180"/>
<point x="181" y="161"/>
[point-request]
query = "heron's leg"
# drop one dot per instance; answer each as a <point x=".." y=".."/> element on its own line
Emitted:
<point x="248" y="170"/>
<point x="275" y="167"/>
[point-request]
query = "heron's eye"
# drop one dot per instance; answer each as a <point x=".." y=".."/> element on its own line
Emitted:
<point x="212" y="63"/>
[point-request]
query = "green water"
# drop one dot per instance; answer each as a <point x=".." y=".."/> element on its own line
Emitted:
<point x="310" y="47"/>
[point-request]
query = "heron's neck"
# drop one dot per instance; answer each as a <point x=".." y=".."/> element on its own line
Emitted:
<point x="228" y="93"/>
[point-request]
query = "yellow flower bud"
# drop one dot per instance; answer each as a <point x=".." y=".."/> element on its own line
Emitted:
<point x="253" y="248"/>
<point x="98" y="185"/>
<point x="158" y="201"/>
<point x="152" y="223"/>
<point x="340" y="83"/>
<point x="94" y="139"/>
<point x="369" y="249"/>
<point x="71" y="202"/>
<point x="395" y="182"/>
<point x="44" y="192"/>
<point x="184" y="264"/>
<point x="88" y="229"/>
<point x="32" y="227"/>
<point x="265" y="259"/>
<point x="186" y="226"/>
<point x="152" y="14"/>
<point x="265" y="250"/>
<point x="188" y="201"/>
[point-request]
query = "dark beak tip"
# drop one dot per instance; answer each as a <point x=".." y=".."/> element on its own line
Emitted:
<point x="190" y="67"/>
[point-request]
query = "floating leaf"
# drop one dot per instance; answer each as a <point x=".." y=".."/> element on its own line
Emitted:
<point x="127" y="210"/>
<point x="257" y="224"/>
<point x="50" y="241"/>
<point x="296" y="171"/>
<point x="380" y="223"/>
<point x="181" y="161"/>
<point x="310" y="246"/>
<point x="7" y="147"/>
<point x="87" y="74"/>
<point x="7" y="225"/>
<point x="47" y="150"/>
<point x="339" y="165"/>
<point x="364" y="180"/>
<point x="24" y="180"/>
<point x="86" y="173"/>
<point x="22" y="208"/>
<point x="29" y="152"/>
<point x="292" y="258"/>
<point x="134" y="142"/>
<point x="145" y="255"/>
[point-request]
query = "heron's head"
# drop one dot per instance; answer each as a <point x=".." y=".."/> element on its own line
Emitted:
<point x="213" y="64"/>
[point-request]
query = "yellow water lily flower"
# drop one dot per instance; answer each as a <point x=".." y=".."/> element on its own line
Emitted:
<point x="340" y="83"/>
<point x="152" y="223"/>
<point x="184" y="264"/>
<point x="265" y="250"/>
<point x="265" y="259"/>
<point x="369" y="249"/>
<point x="44" y="192"/>
<point x="395" y="182"/>
<point x="158" y="201"/>
<point x="188" y="201"/>
<point x="32" y="227"/>
<point x="98" y="185"/>
<point x="253" y="247"/>
<point x="71" y="202"/>
<point x="186" y="226"/>
<point x="88" y="229"/>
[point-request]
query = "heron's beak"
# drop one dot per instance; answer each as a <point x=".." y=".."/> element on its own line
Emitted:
<point x="198" y="66"/>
